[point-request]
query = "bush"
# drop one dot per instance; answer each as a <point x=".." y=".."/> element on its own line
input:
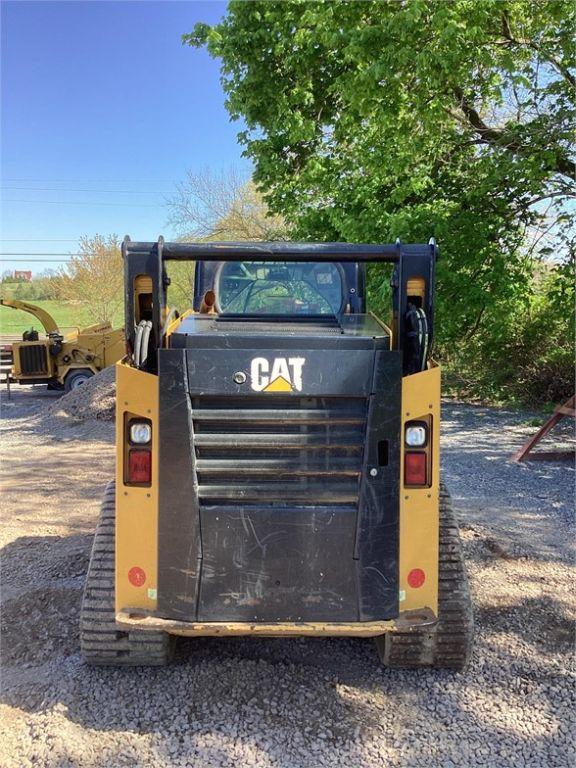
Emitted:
<point x="528" y="358"/>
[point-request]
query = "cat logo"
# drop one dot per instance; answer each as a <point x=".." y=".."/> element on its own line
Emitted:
<point x="284" y="374"/>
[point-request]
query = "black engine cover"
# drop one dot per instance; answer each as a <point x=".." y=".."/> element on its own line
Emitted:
<point x="279" y="474"/>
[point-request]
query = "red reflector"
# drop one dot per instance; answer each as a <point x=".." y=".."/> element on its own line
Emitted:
<point x="416" y="578"/>
<point x="139" y="466"/>
<point x="415" y="468"/>
<point x="136" y="576"/>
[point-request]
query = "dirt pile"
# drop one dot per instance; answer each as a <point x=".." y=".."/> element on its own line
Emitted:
<point x="94" y="400"/>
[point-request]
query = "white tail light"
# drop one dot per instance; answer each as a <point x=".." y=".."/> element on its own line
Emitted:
<point x="416" y="436"/>
<point x="140" y="433"/>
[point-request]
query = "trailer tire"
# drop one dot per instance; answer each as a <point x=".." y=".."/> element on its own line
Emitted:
<point x="449" y="643"/>
<point x="76" y="377"/>
<point x="101" y="641"/>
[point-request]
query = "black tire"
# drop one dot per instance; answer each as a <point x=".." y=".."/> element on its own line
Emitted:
<point x="76" y="377"/>
<point x="449" y="644"/>
<point x="101" y="641"/>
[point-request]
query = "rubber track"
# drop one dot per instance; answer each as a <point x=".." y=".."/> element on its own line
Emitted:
<point x="449" y="644"/>
<point x="100" y="640"/>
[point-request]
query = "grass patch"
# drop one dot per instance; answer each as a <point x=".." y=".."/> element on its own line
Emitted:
<point x="68" y="315"/>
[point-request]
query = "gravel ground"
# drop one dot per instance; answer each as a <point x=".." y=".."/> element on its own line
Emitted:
<point x="297" y="703"/>
<point x="96" y="399"/>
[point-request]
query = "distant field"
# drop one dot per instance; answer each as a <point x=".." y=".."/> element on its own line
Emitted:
<point x="67" y="315"/>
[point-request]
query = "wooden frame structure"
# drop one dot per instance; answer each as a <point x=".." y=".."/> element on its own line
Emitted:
<point x="566" y="409"/>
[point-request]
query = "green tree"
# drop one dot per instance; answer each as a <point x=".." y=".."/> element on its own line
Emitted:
<point x="376" y="120"/>
<point x="94" y="279"/>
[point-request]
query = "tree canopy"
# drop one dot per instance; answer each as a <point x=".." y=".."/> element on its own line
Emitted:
<point x="94" y="277"/>
<point x="221" y="206"/>
<point x="210" y="205"/>
<point x="368" y="121"/>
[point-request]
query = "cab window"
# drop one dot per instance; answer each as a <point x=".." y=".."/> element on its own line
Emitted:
<point x="279" y="288"/>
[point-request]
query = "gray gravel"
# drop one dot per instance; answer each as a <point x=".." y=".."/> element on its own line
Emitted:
<point x="297" y="703"/>
<point x="96" y="399"/>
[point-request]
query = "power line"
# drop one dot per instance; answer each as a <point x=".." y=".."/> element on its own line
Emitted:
<point x="46" y="261"/>
<point x="90" y="181"/>
<point x="78" y="202"/>
<point x="40" y="254"/>
<point x="45" y="240"/>
<point x="99" y="191"/>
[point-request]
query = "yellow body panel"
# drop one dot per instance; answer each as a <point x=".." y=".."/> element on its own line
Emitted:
<point x="175" y="323"/>
<point x="93" y="348"/>
<point x="106" y="345"/>
<point x="17" y="366"/>
<point x="136" y="507"/>
<point x="419" y="506"/>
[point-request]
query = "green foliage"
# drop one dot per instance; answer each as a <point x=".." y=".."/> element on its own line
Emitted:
<point x="368" y="121"/>
<point x="41" y="287"/>
<point x="533" y="360"/>
<point x="181" y="290"/>
<point x="94" y="277"/>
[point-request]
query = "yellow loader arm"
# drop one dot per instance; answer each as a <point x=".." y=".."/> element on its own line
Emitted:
<point x="44" y="317"/>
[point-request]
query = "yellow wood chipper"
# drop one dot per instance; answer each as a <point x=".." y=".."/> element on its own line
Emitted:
<point x="62" y="361"/>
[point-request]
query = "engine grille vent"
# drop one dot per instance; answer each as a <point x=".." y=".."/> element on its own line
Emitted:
<point x="274" y="450"/>
<point x="33" y="360"/>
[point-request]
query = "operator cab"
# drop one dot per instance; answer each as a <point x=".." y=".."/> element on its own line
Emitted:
<point x="284" y="299"/>
<point x="282" y="289"/>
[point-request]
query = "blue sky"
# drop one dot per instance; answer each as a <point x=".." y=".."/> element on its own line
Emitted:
<point x="102" y="96"/>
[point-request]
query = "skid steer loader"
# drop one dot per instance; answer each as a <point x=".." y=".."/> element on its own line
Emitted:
<point x="277" y="460"/>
